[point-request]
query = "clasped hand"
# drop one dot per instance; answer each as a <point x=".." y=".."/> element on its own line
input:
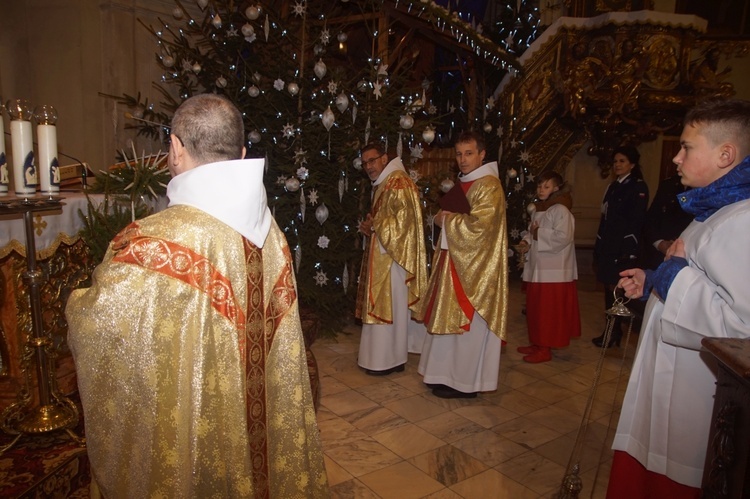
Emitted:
<point x="633" y="280"/>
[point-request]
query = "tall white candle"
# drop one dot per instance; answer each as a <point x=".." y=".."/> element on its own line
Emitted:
<point x="4" y="177"/>
<point x="49" y="168"/>
<point x="46" y="132"/>
<point x="22" y="147"/>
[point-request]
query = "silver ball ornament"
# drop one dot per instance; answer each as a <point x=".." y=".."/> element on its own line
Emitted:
<point x="292" y="88"/>
<point x="357" y="163"/>
<point x="168" y="61"/>
<point x="247" y="30"/>
<point x="252" y="12"/>
<point x="254" y="137"/>
<point x="253" y="91"/>
<point x="292" y="184"/>
<point x="447" y="185"/>
<point x="406" y="122"/>
<point x="512" y="173"/>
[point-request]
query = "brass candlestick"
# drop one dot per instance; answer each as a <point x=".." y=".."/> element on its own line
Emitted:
<point x="53" y="411"/>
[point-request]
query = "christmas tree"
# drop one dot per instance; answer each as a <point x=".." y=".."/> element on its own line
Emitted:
<point x="316" y="81"/>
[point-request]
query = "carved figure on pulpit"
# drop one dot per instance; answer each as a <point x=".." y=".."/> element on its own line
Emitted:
<point x="662" y="64"/>
<point x="579" y="81"/>
<point x="707" y="80"/>
<point x="624" y="79"/>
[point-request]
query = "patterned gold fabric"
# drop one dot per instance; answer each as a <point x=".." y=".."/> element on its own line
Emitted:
<point x="397" y="222"/>
<point x="192" y="367"/>
<point x="478" y="250"/>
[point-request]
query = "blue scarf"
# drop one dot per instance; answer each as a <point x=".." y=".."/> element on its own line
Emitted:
<point x="729" y="189"/>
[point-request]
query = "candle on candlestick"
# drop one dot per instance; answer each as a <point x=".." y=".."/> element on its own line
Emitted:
<point x="4" y="177"/>
<point x="46" y="131"/>
<point x="22" y="147"/>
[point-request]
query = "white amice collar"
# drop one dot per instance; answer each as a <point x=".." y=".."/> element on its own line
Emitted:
<point x="392" y="166"/>
<point x="231" y="191"/>
<point x="487" y="169"/>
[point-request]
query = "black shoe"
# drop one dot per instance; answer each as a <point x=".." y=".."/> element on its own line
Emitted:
<point x="385" y="372"/>
<point x="613" y="340"/>
<point x="432" y="386"/>
<point x="452" y="393"/>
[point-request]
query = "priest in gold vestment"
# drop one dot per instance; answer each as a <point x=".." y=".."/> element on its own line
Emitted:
<point x="393" y="276"/>
<point x="188" y="347"/>
<point x="465" y="306"/>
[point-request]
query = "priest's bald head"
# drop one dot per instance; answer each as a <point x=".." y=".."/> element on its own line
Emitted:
<point x="206" y="128"/>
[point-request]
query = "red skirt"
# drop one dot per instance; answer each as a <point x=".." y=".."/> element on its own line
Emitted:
<point x="552" y="313"/>
<point x="629" y="479"/>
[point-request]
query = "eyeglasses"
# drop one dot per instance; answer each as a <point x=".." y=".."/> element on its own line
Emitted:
<point x="370" y="161"/>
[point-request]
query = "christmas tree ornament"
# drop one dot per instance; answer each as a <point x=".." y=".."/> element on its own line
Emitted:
<point x="247" y="30"/>
<point x="318" y="49"/>
<point x="357" y="163"/>
<point x="320" y="69"/>
<point x="252" y="12"/>
<point x="321" y="214"/>
<point x="266" y="27"/>
<point x="168" y="61"/>
<point x="531" y="208"/>
<point x="302" y="204"/>
<point x="345" y="278"/>
<point x="367" y="131"/>
<point x="177" y="13"/>
<point x="297" y="256"/>
<point x="292" y="88"/>
<point x="202" y="4"/>
<point x="354" y="114"/>
<point x="321" y="279"/>
<point x="342" y="185"/>
<point x="216" y="21"/>
<point x="291" y="184"/>
<point x="362" y="86"/>
<point x="406" y="121"/>
<point x="323" y="242"/>
<point x="328" y="118"/>
<point x="399" y="146"/>
<point x="487" y="128"/>
<point x="342" y="102"/>
<point x="254" y="137"/>
<point x="428" y="135"/>
<point x="512" y="173"/>
<point x="221" y="82"/>
<point x="196" y="68"/>
<point x="446" y="185"/>
<point x="253" y="91"/>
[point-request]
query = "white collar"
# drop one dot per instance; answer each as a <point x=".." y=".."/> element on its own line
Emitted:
<point x="487" y="169"/>
<point x="231" y="191"/>
<point x="393" y="165"/>
<point x="623" y="177"/>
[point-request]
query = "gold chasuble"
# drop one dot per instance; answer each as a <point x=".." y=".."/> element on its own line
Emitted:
<point x="471" y="275"/>
<point x="398" y="230"/>
<point x="191" y="365"/>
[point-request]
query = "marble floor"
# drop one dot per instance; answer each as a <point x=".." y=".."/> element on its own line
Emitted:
<point x="389" y="437"/>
